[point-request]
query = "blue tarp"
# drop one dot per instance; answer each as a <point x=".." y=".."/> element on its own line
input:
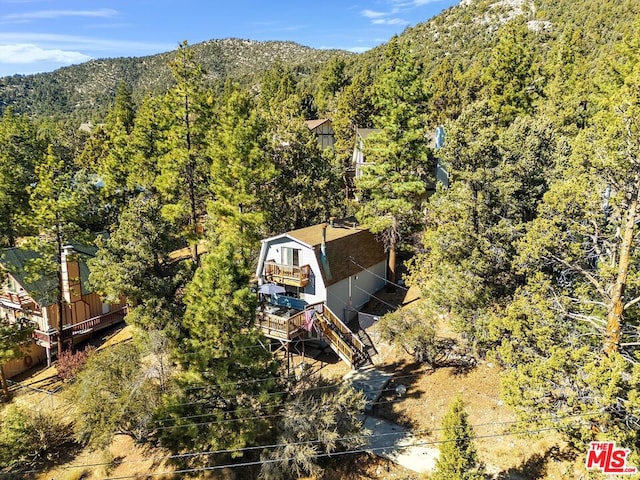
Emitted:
<point x="289" y="302"/>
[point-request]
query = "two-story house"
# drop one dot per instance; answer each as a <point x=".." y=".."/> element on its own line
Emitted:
<point x="26" y="294"/>
<point x="319" y="275"/>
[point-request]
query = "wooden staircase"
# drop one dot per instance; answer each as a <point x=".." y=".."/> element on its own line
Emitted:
<point x="349" y="346"/>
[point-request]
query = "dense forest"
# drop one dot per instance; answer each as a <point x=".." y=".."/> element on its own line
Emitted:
<point x="531" y="251"/>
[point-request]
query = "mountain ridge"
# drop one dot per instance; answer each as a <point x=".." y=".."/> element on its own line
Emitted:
<point x="87" y="88"/>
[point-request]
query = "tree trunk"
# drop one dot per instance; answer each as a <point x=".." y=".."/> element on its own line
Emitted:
<point x="616" y="307"/>
<point x="5" y="385"/>
<point x="393" y="246"/>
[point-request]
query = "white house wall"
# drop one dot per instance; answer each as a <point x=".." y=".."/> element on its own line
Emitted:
<point x="370" y="280"/>
<point x="314" y="292"/>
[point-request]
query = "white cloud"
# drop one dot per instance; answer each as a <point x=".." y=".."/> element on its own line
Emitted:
<point x="373" y="14"/>
<point x="83" y="43"/>
<point x="389" y="21"/>
<point x="25" y="53"/>
<point x="52" y="14"/>
<point x="357" y="49"/>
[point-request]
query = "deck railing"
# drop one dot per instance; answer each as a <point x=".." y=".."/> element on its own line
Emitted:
<point x="275" y="326"/>
<point x="344" y="349"/>
<point x="21" y="298"/>
<point x="81" y="328"/>
<point x="287" y="274"/>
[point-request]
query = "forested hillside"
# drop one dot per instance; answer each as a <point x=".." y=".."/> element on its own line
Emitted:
<point x="530" y="252"/>
<point x="86" y="90"/>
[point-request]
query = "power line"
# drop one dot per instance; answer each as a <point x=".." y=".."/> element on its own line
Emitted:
<point x="321" y="455"/>
<point x="377" y="298"/>
<point x="259" y="447"/>
<point x="353" y="260"/>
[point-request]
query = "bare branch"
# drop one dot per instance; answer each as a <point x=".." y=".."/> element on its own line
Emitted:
<point x="631" y="303"/>
<point x="595" y="321"/>
<point x="584" y="273"/>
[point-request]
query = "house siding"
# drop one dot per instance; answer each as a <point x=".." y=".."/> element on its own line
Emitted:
<point x="315" y="291"/>
<point x="369" y="280"/>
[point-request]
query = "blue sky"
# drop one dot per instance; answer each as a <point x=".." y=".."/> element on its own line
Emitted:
<point x="42" y="35"/>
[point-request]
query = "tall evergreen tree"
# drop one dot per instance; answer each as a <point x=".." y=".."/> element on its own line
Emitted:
<point x="228" y="372"/>
<point x="184" y="167"/>
<point x="20" y="149"/>
<point x="392" y="188"/>
<point x="510" y="78"/>
<point x="134" y="262"/>
<point x="228" y="377"/>
<point x="57" y="217"/>
<point x="573" y="327"/>
<point x="240" y="170"/>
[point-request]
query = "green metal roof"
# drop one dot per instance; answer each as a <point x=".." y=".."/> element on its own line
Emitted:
<point x="21" y="264"/>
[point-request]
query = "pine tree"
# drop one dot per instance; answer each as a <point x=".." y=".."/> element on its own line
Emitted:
<point x="146" y="146"/>
<point x="134" y="262"/>
<point x="240" y="169"/>
<point x="116" y="167"/>
<point x="57" y="215"/>
<point x="228" y="374"/>
<point x="392" y="189"/>
<point x="183" y="176"/>
<point x="511" y="75"/>
<point x="569" y="337"/>
<point x="19" y="151"/>
<point x="458" y="457"/>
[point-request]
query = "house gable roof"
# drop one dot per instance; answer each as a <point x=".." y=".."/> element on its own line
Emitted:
<point x="313" y="124"/>
<point x="19" y="263"/>
<point x="363" y="133"/>
<point x="349" y="248"/>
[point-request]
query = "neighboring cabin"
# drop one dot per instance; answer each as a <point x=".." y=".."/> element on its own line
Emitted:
<point x="359" y="161"/>
<point x="323" y="129"/>
<point x="25" y="296"/>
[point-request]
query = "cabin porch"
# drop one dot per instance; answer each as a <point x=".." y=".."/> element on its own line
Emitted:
<point x="49" y="338"/>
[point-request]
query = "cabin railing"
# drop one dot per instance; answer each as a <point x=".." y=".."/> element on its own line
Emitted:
<point x="275" y="326"/>
<point x="342" y="340"/>
<point x="22" y="298"/>
<point x="287" y="274"/>
<point x="81" y="328"/>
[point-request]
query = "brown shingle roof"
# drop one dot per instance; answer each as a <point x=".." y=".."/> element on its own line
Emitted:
<point x="344" y="245"/>
<point x="316" y="123"/>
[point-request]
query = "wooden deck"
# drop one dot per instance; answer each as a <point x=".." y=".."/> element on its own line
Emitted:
<point x="94" y="324"/>
<point x="281" y="324"/>
<point x="287" y="274"/>
<point x="286" y="325"/>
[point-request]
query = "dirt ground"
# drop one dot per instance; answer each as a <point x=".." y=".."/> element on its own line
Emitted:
<point x="506" y="451"/>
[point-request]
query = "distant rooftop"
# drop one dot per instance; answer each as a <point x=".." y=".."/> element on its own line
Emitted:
<point x="316" y="123"/>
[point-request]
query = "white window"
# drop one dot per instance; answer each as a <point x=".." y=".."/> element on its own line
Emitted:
<point x="291" y="256"/>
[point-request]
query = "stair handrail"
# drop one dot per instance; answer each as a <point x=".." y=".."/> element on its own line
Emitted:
<point x="341" y="347"/>
<point x="353" y="338"/>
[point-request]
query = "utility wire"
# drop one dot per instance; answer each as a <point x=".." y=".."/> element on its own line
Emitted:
<point x="261" y="447"/>
<point x="321" y="455"/>
<point x="353" y="260"/>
